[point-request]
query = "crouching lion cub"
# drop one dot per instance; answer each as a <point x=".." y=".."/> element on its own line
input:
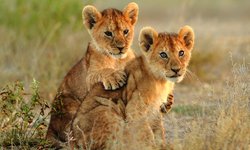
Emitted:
<point x="112" y="34"/>
<point x="132" y="119"/>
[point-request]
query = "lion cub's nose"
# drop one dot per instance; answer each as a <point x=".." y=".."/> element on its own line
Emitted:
<point x="120" y="48"/>
<point x="176" y="70"/>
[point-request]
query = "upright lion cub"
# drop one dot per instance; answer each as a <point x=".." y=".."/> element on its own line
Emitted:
<point x="136" y="121"/>
<point x="112" y="33"/>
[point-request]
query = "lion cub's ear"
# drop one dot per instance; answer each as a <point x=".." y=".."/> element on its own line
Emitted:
<point x="131" y="10"/>
<point x="186" y="34"/>
<point x="90" y="16"/>
<point x="147" y="38"/>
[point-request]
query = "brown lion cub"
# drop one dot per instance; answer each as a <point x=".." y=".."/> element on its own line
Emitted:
<point x="112" y="34"/>
<point x="135" y="122"/>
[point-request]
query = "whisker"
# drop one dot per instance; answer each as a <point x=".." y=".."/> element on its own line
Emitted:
<point x="192" y="76"/>
<point x="188" y="75"/>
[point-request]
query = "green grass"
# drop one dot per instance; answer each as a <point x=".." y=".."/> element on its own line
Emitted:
<point x="188" y="110"/>
<point x="37" y="38"/>
<point x="23" y="116"/>
<point x="34" y="18"/>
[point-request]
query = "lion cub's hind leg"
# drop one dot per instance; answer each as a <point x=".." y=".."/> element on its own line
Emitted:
<point x="102" y="126"/>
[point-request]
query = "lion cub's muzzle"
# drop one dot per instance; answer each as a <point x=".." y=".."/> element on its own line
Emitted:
<point x="119" y="49"/>
<point x="176" y="74"/>
<point x="120" y="52"/>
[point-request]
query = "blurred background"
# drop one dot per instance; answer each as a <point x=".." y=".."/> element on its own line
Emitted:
<point x="44" y="39"/>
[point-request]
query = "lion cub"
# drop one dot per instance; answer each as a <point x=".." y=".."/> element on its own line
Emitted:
<point x="112" y="34"/>
<point x="136" y="121"/>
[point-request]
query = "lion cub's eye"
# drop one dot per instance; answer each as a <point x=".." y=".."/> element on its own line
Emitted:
<point x="108" y="33"/>
<point x="125" y="32"/>
<point x="181" y="53"/>
<point x="163" y="55"/>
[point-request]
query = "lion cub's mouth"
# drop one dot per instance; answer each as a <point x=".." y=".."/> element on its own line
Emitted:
<point x="175" y="76"/>
<point x="119" y="55"/>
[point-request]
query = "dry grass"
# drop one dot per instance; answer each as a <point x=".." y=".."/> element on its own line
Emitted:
<point x="217" y="121"/>
<point x="43" y="39"/>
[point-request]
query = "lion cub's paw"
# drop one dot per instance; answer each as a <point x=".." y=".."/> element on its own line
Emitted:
<point x="166" y="107"/>
<point x="115" y="80"/>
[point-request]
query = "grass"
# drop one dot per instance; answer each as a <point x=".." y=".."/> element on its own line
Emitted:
<point x="187" y="110"/>
<point x="23" y="117"/>
<point x="224" y="125"/>
<point x="38" y="36"/>
<point x="39" y="16"/>
<point x="44" y="39"/>
<point x="230" y="124"/>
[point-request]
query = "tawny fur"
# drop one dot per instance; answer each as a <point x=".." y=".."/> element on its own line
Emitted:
<point x="132" y="120"/>
<point x="103" y="62"/>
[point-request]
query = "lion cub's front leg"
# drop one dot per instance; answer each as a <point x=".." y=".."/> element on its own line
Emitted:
<point x="110" y="78"/>
<point x="114" y="80"/>
<point x="166" y="107"/>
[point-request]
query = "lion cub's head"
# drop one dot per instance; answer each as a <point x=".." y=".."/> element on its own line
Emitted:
<point x="112" y="30"/>
<point x="168" y="54"/>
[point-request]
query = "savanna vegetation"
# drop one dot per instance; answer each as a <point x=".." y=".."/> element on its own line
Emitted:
<point x="41" y="40"/>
